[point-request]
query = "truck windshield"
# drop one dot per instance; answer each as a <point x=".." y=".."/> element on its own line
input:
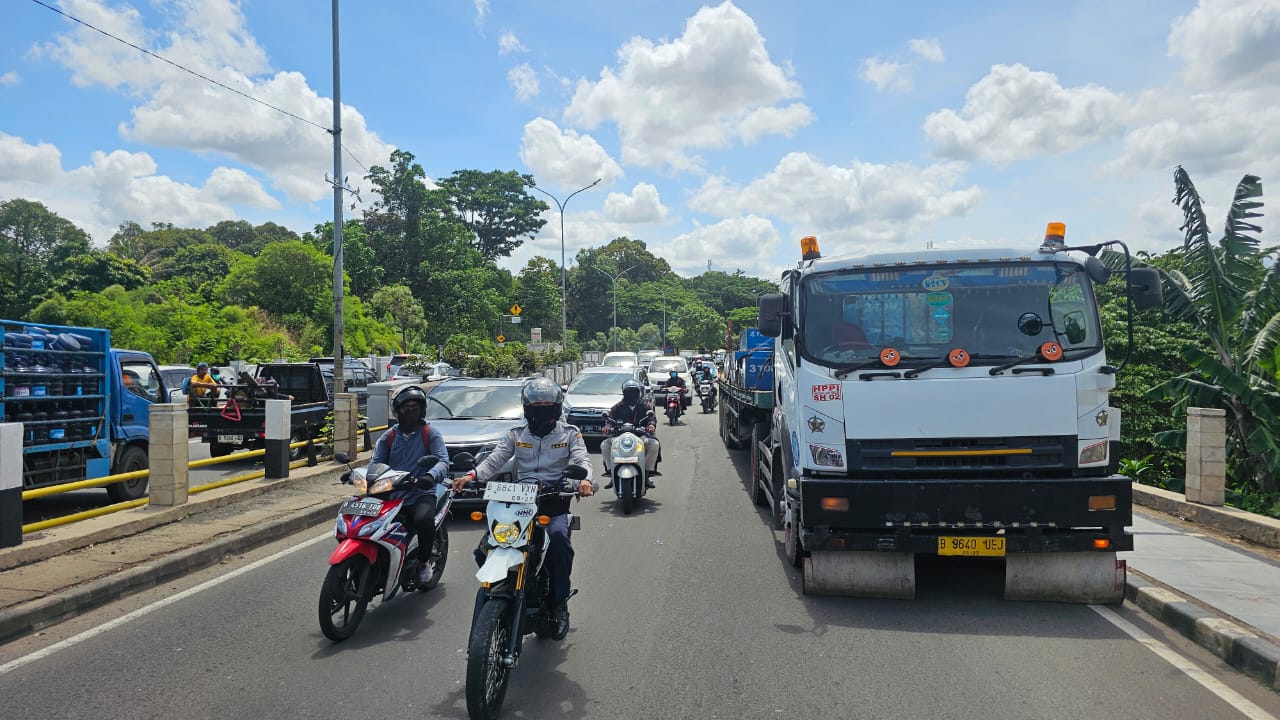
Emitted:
<point x="995" y="311"/>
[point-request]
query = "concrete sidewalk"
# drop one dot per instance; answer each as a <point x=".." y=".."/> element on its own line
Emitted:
<point x="1222" y="594"/>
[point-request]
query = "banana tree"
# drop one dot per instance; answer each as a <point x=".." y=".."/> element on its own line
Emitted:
<point x="1217" y="289"/>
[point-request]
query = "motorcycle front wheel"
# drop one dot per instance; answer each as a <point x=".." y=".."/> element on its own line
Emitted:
<point x="343" y="599"/>
<point x="487" y="675"/>
<point x="628" y="494"/>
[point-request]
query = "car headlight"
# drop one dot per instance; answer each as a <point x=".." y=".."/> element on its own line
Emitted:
<point x="505" y="533"/>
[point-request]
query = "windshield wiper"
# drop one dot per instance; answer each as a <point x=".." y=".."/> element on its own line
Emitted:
<point x="446" y="407"/>
<point x="933" y="365"/>
<point x="843" y="371"/>
<point x="998" y="369"/>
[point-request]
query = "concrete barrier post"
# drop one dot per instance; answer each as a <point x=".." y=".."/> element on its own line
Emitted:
<point x="379" y="408"/>
<point x="1206" y="455"/>
<point x="345" y="420"/>
<point x="10" y="484"/>
<point x="168" y="454"/>
<point x="279" y="434"/>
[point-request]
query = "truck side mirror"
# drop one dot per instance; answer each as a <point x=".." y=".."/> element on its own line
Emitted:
<point x="1144" y="288"/>
<point x="1096" y="271"/>
<point x="773" y="314"/>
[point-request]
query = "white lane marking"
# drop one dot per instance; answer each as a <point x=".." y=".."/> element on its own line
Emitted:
<point x="1191" y="670"/>
<point x="140" y="612"/>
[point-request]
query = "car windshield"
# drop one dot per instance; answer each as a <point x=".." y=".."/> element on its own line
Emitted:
<point x="619" y="361"/>
<point x="599" y="383"/>
<point x="474" y="401"/>
<point x="666" y="365"/>
<point x="994" y="311"/>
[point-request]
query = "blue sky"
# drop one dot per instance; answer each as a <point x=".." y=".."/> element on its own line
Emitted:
<point x="723" y="132"/>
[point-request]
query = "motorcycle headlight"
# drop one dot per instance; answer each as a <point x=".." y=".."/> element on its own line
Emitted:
<point x="505" y="533"/>
<point x="627" y="444"/>
<point x="360" y="485"/>
<point x="381" y="486"/>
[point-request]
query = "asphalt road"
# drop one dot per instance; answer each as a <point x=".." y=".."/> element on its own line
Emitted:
<point x="686" y="611"/>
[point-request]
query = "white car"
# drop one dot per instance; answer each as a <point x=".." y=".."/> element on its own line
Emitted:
<point x="620" y="359"/>
<point x="174" y="376"/>
<point x="588" y="398"/>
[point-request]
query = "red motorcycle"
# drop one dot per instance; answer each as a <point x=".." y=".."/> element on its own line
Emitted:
<point x="674" y="402"/>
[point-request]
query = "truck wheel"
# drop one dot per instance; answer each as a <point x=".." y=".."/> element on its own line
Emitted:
<point x="724" y="426"/>
<point x="133" y="458"/>
<point x="779" y="492"/>
<point x="791" y="542"/>
<point x="758" y="495"/>
<point x="218" y="450"/>
<point x="296" y="453"/>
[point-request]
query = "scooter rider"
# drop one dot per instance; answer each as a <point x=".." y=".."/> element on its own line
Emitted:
<point x="543" y="447"/>
<point x="639" y="412"/>
<point x="400" y="447"/>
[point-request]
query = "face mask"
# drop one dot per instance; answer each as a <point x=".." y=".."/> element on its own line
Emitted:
<point x="410" y="413"/>
<point x="542" y="418"/>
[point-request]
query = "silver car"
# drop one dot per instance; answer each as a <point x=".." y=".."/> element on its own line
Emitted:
<point x="594" y="391"/>
<point x="472" y="415"/>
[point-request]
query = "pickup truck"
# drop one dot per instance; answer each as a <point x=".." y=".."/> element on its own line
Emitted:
<point x="237" y="419"/>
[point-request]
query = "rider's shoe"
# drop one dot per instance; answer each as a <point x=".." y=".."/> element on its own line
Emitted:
<point x="649" y="484"/>
<point x="425" y="574"/>
<point x="656" y="473"/>
<point x="560" y="620"/>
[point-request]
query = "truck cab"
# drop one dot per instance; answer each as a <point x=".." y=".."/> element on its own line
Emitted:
<point x="953" y="403"/>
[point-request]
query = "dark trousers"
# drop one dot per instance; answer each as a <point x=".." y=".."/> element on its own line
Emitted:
<point x="422" y="518"/>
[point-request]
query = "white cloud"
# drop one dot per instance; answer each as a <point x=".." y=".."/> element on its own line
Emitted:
<point x="740" y="243"/>
<point x="181" y="111"/>
<point x="774" y="121"/>
<point x="693" y="92"/>
<point x="886" y="74"/>
<point x="10" y="78"/>
<point x="482" y="11"/>
<point x="509" y="43"/>
<point x="864" y="203"/>
<point x="524" y="80"/>
<point x="563" y="157"/>
<point x="1014" y="113"/>
<point x="1229" y="42"/>
<point x="928" y="48"/>
<point x="642" y="206"/>
<point x="121" y="185"/>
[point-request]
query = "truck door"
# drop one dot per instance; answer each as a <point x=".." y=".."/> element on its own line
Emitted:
<point x="140" y="387"/>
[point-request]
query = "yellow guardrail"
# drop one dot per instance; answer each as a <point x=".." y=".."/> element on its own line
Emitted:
<point x="129" y="504"/>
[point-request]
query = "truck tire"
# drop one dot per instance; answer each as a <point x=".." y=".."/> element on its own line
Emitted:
<point x="758" y="495"/>
<point x="791" y="542"/>
<point x="296" y="453"/>
<point x="217" y="449"/>
<point x="133" y="458"/>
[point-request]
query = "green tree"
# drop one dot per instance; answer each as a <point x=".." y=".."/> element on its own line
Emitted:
<point x="233" y="234"/>
<point x="33" y="240"/>
<point x="95" y="271"/>
<point x="538" y="292"/>
<point x="723" y="292"/>
<point x="697" y="326"/>
<point x="199" y="269"/>
<point x="405" y="311"/>
<point x="1217" y="290"/>
<point x="288" y="278"/>
<point x="124" y="243"/>
<point x="496" y="208"/>
<point x="359" y="261"/>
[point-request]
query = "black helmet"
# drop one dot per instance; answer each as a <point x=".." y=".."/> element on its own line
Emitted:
<point x="409" y="394"/>
<point x="631" y="390"/>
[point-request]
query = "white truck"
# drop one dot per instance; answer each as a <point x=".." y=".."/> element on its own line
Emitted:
<point x="952" y="403"/>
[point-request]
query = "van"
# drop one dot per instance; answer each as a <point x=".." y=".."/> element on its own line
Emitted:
<point x="620" y="359"/>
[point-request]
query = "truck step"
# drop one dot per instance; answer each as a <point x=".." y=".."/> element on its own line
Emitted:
<point x="1069" y="577"/>
<point x="861" y="574"/>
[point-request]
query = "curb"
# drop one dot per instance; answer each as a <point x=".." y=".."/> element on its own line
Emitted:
<point x="24" y="619"/>
<point x="1232" y="521"/>
<point x="1253" y="653"/>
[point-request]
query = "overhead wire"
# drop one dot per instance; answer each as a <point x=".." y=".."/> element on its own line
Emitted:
<point x="207" y="79"/>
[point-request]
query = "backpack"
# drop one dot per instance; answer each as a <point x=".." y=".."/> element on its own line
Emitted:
<point x="426" y="433"/>
<point x="186" y="385"/>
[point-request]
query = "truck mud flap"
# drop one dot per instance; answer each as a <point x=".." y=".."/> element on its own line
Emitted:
<point x="1095" y="578"/>
<point x="861" y="574"/>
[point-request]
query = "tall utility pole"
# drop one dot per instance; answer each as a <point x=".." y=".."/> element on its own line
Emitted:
<point x="339" y="364"/>
<point x="614" y="278"/>
<point x="564" y="272"/>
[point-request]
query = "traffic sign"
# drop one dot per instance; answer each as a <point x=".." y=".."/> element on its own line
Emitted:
<point x="535" y="335"/>
<point x="502" y="338"/>
<point x="515" y="319"/>
<point x="515" y="309"/>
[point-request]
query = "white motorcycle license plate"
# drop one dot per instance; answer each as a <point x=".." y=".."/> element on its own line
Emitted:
<point x="366" y="508"/>
<point x="511" y="492"/>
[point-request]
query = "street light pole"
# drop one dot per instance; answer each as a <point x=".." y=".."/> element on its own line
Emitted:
<point x="614" y="278"/>
<point x="564" y="273"/>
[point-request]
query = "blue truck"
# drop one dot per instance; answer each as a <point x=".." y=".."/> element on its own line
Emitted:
<point x="746" y="390"/>
<point x="83" y="404"/>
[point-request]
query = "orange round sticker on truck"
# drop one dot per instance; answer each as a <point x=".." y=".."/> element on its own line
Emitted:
<point x="890" y="357"/>
<point x="1051" y="351"/>
<point x="958" y="357"/>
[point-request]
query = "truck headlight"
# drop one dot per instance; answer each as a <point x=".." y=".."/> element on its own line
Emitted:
<point x="825" y="456"/>
<point x="1095" y="453"/>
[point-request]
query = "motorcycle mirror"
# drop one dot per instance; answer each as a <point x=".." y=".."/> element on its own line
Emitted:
<point x="342" y="457"/>
<point x="462" y="461"/>
<point x="427" y="461"/>
<point x="576" y="472"/>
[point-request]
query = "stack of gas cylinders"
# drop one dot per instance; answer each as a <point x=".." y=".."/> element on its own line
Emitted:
<point x="52" y="383"/>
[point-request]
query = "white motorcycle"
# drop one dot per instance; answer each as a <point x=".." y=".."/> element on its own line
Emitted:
<point x="707" y="394"/>
<point x="627" y="459"/>
<point x="515" y="595"/>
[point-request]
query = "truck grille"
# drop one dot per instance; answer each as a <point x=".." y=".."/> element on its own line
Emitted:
<point x="1007" y="455"/>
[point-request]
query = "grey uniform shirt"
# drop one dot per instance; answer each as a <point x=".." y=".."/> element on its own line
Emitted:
<point x="538" y="459"/>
